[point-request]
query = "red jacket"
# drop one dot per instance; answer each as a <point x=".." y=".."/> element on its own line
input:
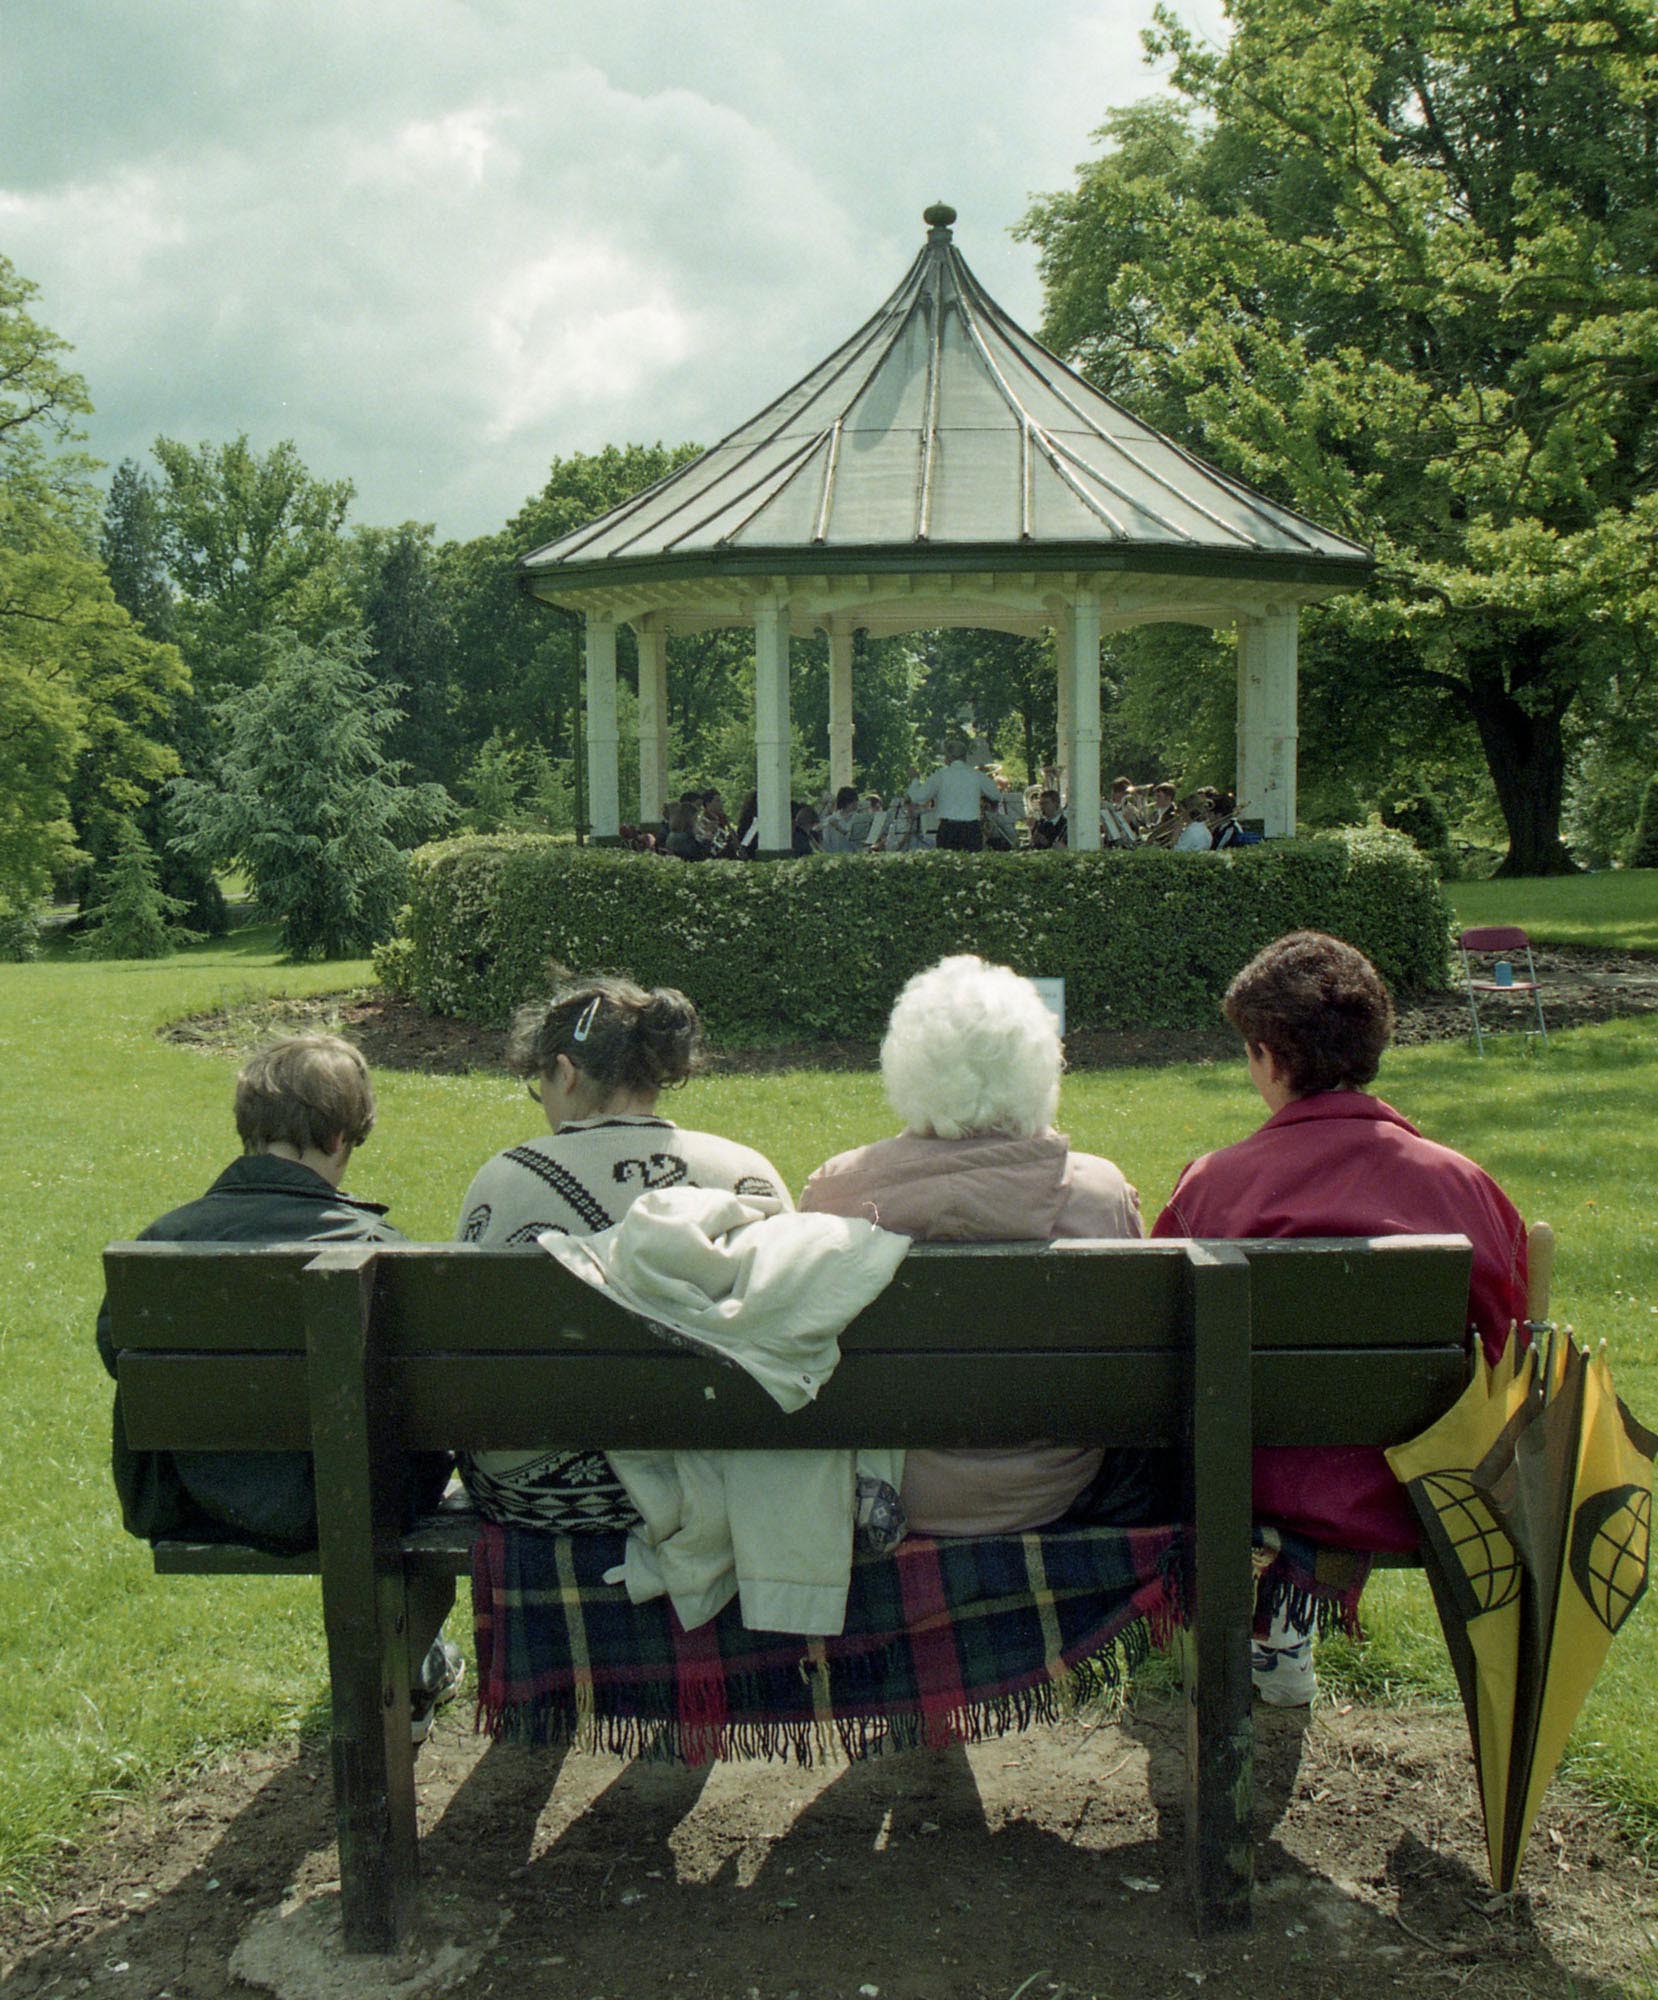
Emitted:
<point x="1345" y="1164"/>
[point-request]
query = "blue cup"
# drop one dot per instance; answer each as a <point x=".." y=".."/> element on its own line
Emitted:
<point x="1503" y="972"/>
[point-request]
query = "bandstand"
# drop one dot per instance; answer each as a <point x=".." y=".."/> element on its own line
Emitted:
<point x="941" y="468"/>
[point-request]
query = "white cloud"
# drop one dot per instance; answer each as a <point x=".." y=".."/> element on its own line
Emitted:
<point x="438" y="244"/>
<point x="581" y="325"/>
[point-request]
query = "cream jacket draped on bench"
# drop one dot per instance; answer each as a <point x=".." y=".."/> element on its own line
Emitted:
<point x="770" y="1291"/>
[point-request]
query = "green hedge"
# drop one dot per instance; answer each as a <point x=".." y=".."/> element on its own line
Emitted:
<point x="818" y="948"/>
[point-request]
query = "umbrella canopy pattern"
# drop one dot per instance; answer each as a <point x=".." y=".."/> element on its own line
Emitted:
<point x="1535" y="1497"/>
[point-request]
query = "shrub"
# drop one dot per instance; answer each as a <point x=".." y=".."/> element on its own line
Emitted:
<point x="19" y="933"/>
<point x="819" y="948"/>
<point x="1643" y="842"/>
<point x="1421" y="816"/>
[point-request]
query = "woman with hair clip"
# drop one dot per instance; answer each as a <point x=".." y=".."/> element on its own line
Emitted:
<point x="596" y="1057"/>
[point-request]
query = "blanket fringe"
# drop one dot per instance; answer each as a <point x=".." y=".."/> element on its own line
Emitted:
<point x="1308" y="1610"/>
<point x="700" y="1738"/>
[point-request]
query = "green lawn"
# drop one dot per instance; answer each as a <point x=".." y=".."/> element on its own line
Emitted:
<point x="1617" y="910"/>
<point x="115" y="1676"/>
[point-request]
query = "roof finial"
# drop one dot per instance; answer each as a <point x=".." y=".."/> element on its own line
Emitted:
<point x="938" y="219"/>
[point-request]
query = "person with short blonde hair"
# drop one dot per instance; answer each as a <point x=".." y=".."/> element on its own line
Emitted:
<point x="971" y="1063"/>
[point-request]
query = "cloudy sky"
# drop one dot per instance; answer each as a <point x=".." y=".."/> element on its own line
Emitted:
<point x="438" y="243"/>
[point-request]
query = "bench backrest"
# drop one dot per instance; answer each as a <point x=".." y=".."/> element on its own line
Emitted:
<point x="1312" y="1341"/>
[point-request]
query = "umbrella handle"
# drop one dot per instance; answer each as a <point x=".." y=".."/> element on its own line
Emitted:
<point x="1540" y="1266"/>
<point x="1539" y="1282"/>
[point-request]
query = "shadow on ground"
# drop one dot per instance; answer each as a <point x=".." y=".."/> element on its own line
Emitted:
<point x="1047" y="1864"/>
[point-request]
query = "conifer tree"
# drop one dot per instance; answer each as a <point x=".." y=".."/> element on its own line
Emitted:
<point x="305" y="799"/>
<point x="136" y="919"/>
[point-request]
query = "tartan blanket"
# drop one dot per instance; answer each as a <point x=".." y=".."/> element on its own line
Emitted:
<point x="1315" y="1584"/>
<point x="945" y="1642"/>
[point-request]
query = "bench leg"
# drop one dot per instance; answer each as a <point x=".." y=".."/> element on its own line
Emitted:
<point x="1220" y="1784"/>
<point x="1220" y="1733"/>
<point x="373" y="1764"/>
<point x="365" y="1601"/>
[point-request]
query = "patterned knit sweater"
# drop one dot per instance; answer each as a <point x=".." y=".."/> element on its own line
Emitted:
<point x="577" y="1181"/>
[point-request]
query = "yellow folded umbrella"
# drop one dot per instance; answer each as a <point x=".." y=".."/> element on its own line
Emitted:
<point x="1577" y="1506"/>
<point x="1473" y="1566"/>
<point x="1535" y="1497"/>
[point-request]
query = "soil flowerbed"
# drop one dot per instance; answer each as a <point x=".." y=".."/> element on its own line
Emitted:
<point x="1579" y="986"/>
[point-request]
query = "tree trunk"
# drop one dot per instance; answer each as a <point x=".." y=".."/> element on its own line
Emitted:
<point x="1526" y="754"/>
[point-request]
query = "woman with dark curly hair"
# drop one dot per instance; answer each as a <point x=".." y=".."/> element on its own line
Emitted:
<point x="1333" y="1160"/>
<point x="596" y="1057"/>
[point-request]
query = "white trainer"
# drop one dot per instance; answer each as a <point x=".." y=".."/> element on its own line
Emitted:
<point x="1281" y="1664"/>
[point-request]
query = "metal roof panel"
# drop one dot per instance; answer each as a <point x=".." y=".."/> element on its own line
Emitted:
<point x="940" y="423"/>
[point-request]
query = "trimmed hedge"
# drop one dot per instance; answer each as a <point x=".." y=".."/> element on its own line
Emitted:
<point x="818" y="948"/>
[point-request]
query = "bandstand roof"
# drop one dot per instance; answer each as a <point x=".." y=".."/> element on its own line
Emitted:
<point x="942" y="467"/>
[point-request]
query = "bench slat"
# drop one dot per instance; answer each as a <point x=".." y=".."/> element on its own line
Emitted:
<point x="619" y="1402"/>
<point x="1331" y="1397"/>
<point x="1389" y="1291"/>
<point x="215" y="1402"/>
<point x="444" y="1298"/>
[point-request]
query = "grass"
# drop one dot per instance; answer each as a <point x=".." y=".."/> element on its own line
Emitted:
<point x="115" y="1676"/>
<point x="1617" y="911"/>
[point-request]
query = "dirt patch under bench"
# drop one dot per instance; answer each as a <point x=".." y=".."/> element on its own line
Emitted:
<point x="1044" y="1865"/>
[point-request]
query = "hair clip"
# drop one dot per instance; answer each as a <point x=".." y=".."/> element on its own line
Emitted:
<point x="584" y="1027"/>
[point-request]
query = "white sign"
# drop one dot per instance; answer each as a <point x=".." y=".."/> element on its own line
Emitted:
<point x="1051" y="992"/>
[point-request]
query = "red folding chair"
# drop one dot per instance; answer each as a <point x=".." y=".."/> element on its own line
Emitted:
<point x="1490" y="944"/>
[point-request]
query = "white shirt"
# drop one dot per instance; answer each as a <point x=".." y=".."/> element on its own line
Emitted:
<point x="955" y="789"/>
<point x="1195" y="837"/>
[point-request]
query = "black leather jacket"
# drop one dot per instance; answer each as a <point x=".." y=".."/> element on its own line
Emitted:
<point x="264" y="1497"/>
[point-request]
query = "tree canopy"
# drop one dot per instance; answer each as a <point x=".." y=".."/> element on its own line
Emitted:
<point x="82" y="691"/>
<point x="1393" y="262"/>
<point x="252" y="544"/>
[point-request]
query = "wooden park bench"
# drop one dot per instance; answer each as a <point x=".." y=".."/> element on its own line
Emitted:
<point x="363" y="1353"/>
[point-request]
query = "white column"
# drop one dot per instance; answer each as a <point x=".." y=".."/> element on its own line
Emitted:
<point x="653" y="720"/>
<point x="1267" y="720"/>
<point x="603" y="746"/>
<point x="1083" y="812"/>
<point x="840" y="708"/>
<point x="1064" y="685"/>
<point x="771" y="723"/>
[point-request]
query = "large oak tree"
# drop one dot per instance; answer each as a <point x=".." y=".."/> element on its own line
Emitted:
<point x="1394" y="261"/>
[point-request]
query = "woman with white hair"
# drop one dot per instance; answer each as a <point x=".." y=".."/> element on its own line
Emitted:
<point x="971" y="1063"/>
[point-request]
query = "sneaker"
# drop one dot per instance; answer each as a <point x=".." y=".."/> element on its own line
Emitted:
<point x="1281" y="1665"/>
<point x="441" y="1674"/>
